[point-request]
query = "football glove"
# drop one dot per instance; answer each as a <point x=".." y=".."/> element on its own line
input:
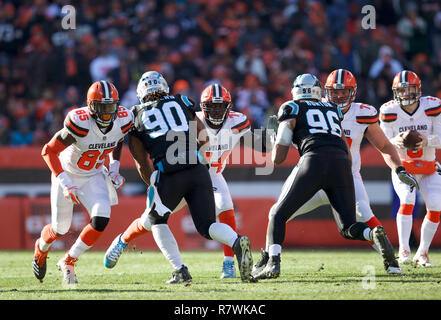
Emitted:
<point x="438" y="167"/>
<point x="272" y="126"/>
<point x="70" y="191"/>
<point x="113" y="172"/>
<point x="407" y="178"/>
<point x="117" y="180"/>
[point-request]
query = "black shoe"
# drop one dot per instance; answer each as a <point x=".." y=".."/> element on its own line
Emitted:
<point x="271" y="270"/>
<point x="261" y="263"/>
<point x="241" y="248"/>
<point x="380" y="238"/>
<point x="180" y="276"/>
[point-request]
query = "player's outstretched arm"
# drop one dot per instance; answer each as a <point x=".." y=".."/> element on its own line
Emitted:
<point x="140" y="156"/>
<point x="378" y="139"/>
<point x="60" y="141"/>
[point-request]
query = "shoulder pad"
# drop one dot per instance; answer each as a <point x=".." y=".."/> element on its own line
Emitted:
<point x="186" y="100"/>
<point x="432" y="106"/>
<point x="126" y="118"/>
<point x="287" y="110"/>
<point x="77" y="122"/>
<point x="366" y="114"/>
<point x="241" y="123"/>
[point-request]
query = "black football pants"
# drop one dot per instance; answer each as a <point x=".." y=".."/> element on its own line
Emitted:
<point x="326" y="168"/>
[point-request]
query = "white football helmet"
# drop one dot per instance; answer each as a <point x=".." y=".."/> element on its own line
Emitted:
<point x="305" y="87"/>
<point x="151" y="81"/>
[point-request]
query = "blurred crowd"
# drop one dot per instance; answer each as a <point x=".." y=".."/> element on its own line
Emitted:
<point x="255" y="48"/>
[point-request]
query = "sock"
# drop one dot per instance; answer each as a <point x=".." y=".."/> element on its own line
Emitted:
<point x="228" y="218"/>
<point x="133" y="231"/>
<point x="228" y="258"/>
<point x="404" y="225"/>
<point x="167" y="244"/>
<point x="373" y="222"/>
<point x="267" y="239"/>
<point x="222" y="233"/>
<point x="274" y="250"/>
<point x="428" y="230"/>
<point x="48" y="236"/>
<point x="367" y="234"/>
<point x="88" y="237"/>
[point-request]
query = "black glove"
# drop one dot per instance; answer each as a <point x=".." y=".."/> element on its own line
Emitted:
<point x="406" y="178"/>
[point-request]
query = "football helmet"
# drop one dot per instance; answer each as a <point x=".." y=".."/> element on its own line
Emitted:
<point x="306" y="87"/>
<point x="102" y="101"/>
<point x="150" y="82"/>
<point x="341" y="88"/>
<point x="406" y="88"/>
<point x="215" y="103"/>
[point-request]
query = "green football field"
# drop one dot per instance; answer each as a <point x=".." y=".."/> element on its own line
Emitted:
<point x="141" y="275"/>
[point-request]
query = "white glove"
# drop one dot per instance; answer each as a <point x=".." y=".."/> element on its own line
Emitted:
<point x="117" y="179"/>
<point x="70" y="191"/>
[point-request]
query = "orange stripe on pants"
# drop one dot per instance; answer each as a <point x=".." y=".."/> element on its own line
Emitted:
<point x="433" y="216"/>
<point x="406" y="209"/>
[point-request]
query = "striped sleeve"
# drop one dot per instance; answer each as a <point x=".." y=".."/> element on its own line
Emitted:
<point x="388" y="117"/>
<point x="368" y="119"/>
<point x="74" y="128"/>
<point x="433" y="112"/>
<point x="241" y="126"/>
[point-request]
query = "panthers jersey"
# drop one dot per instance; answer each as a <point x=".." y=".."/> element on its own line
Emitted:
<point x="223" y="140"/>
<point x="168" y="132"/>
<point x="355" y="122"/>
<point x="426" y="120"/>
<point x="86" y="156"/>
<point x="317" y="124"/>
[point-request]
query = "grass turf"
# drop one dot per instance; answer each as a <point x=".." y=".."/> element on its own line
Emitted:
<point x="141" y="275"/>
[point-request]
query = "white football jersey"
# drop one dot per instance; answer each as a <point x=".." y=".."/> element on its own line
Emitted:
<point x="425" y="119"/>
<point x="355" y="122"/>
<point x="86" y="156"/>
<point x="223" y="140"/>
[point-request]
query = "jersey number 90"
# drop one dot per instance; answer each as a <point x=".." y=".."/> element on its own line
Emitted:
<point x="169" y="117"/>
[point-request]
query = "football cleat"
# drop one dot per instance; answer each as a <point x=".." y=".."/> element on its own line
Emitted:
<point x="66" y="266"/>
<point x="404" y="257"/>
<point x="261" y="263"/>
<point x="386" y="250"/>
<point x="228" y="270"/>
<point x="114" y="252"/>
<point x="39" y="262"/>
<point x="271" y="270"/>
<point x="241" y="248"/>
<point x="422" y="260"/>
<point x="180" y="276"/>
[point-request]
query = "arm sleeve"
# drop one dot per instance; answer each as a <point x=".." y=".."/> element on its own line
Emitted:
<point x="50" y="153"/>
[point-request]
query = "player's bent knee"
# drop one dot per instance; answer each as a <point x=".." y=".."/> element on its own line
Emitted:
<point x="60" y="229"/>
<point x="99" y="223"/>
<point x="154" y="218"/>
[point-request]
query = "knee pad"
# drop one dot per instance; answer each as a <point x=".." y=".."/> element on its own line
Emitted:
<point x="99" y="223"/>
<point x="155" y="218"/>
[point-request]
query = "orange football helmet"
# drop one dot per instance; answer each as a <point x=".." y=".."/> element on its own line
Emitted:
<point x="406" y="87"/>
<point x="341" y="88"/>
<point x="215" y="103"/>
<point x="102" y="101"/>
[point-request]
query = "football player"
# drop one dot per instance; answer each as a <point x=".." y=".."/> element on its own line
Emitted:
<point x="75" y="156"/>
<point x="175" y="178"/>
<point x="410" y="111"/>
<point x="359" y="120"/>
<point x="325" y="163"/>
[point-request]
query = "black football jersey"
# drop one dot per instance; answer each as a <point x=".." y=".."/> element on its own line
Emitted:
<point x="168" y="132"/>
<point x="317" y="124"/>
